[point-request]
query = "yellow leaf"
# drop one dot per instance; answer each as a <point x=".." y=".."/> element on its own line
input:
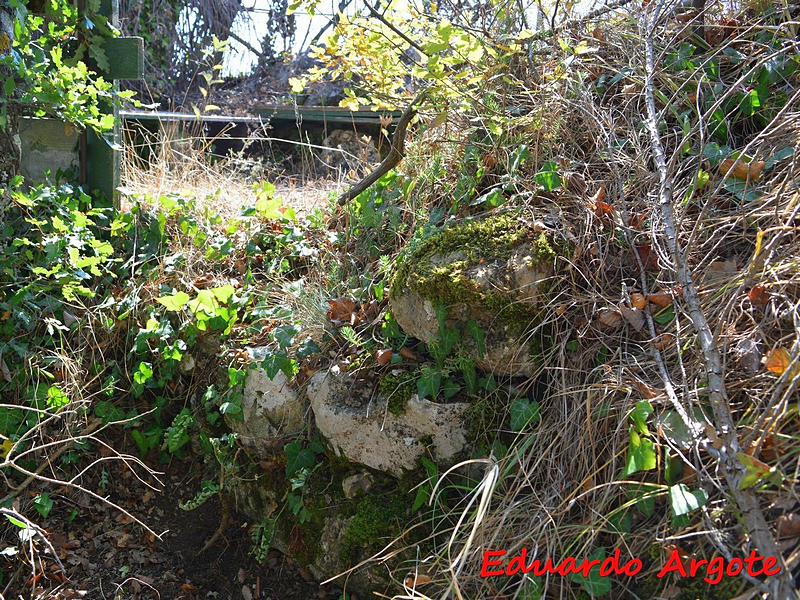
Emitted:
<point x="5" y="448"/>
<point x="759" y="240"/>
<point x="778" y="361"/>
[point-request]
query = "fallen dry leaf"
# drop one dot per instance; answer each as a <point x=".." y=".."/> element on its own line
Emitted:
<point x="686" y="17"/>
<point x="648" y="392"/>
<point x="662" y="299"/>
<point x="408" y="353"/>
<point x="203" y="281"/>
<point x="712" y="435"/>
<point x="647" y="256"/>
<point x="602" y="208"/>
<point x="413" y="581"/>
<point x="720" y="271"/>
<point x="638" y="301"/>
<point x="384" y="357"/>
<point x="758" y="295"/>
<point x="637" y="220"/>
<point x="633" y="316"/>
<point x="342" y="309"/>
<point x="741" y="170"/>
<point x="663" y="341"/>
<point x="778" y="360"/>
<point x="576" y="184"/>
<point x="683" y="555"/>
<point x="788" y="525"/>
<point x="610" y="317"/>
<point x="768" y="450"/>
<point x="599" y="195"/>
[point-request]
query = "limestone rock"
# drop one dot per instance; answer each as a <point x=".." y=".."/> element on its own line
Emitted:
<point x="271" y="409"/>
<point x="373" y="436"/>
<point x="495" y="272"/>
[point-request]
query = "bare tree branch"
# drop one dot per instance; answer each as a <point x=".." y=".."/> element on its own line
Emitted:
<point x="746" y="502"/>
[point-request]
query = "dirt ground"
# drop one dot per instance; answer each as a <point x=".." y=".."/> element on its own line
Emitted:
<point x="106" y="554"/>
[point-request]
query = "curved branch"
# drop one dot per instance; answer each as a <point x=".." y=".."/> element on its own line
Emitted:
<point x="394" y="156"/>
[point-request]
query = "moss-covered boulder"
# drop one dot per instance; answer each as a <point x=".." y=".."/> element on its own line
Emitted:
<point x="496" y="273"/>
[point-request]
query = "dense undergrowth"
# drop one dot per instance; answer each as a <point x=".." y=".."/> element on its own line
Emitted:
<point x="142" y="319"/>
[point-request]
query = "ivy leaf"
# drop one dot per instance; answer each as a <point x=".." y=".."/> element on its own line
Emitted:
<point x="548" y="176"/>
<point x="307" y="348"/>
<point x="285" y="335"/>
<point x="233" y="409"/>
<point x="523" y="412"/>
<point x="144" y="372"/>
<point x="682" y="501"/>
<point x="297" y="458"/>
<point x="56" y="398"/>
<point x="450" y="388"/>
<point x="278" y="361"/>
<point x="224" y="293"/>
<point x="175" y="302"/>
<point x="43" y="504"/>
<point x="716" y="153"/>
<point x="641" y="454"/>
<point x="206" y="301"/>
<point x="429" y="382"/>
<point x="269" y="208"/>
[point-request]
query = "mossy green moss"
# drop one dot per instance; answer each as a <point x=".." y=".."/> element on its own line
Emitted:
<point x="474" y="242"/>
<point x="398" y="389"/>
<point x="376" y="518"/>
<point x="542" y="249"/>
<point x="485" y="239"/>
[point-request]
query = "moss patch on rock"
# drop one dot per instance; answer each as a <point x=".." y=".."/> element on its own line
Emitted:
<point x="490" y="238"/>
<point x="465" y="247"/>
<point x="398" y="389"/>
<point x="375" y="519"/>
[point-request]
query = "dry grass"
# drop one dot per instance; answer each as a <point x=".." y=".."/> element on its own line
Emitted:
<point x="175" y="163"/>
<point x="563" y="491"/>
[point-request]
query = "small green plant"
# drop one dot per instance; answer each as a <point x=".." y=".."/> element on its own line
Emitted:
<point x="301" y="463"/>
<point x="261" y="537"/>
<point x="43" y="504"/>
